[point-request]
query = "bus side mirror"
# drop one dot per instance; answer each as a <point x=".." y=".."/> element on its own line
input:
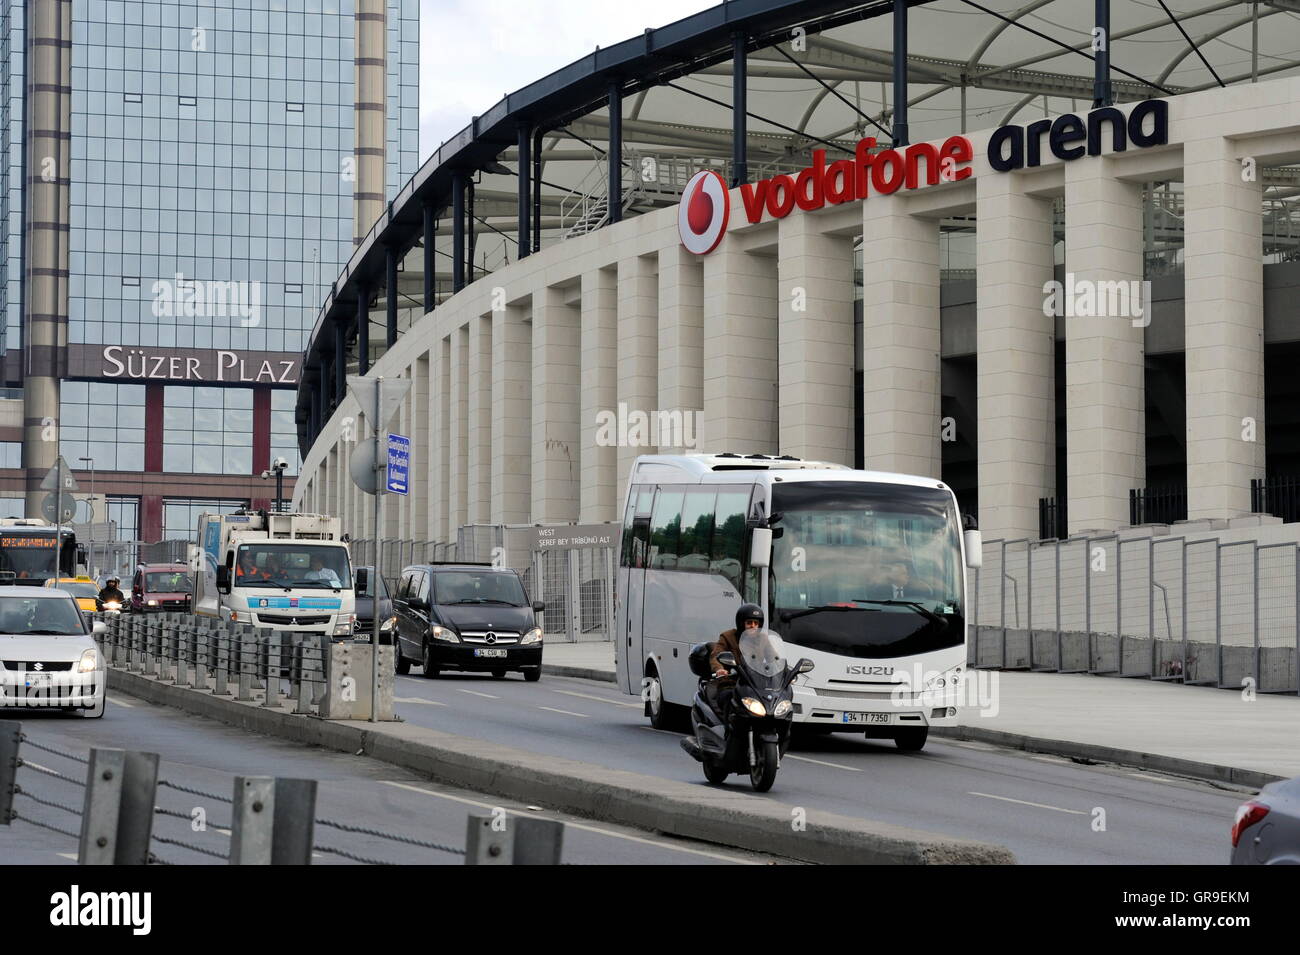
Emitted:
<point x="223" y="579"/>
<point x="974" y="550"/>
<point x="760" y="547"/>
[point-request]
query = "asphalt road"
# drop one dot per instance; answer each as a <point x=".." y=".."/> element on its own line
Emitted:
<point x="1046" y="809"/>
<point x="204" y="755"/>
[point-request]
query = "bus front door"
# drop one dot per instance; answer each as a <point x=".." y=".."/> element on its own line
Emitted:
<point x="632" y="590"/>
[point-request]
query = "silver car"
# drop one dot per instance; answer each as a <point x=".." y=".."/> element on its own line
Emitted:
<point x="48" y="657"/>
<point x="1267" y="828"/>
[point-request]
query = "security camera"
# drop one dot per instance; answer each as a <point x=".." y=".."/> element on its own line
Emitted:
<point x="279" y="464"/>
<point x="266" y="475"/>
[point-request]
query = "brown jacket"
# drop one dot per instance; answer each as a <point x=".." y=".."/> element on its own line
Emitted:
<point x="728" y="641"/>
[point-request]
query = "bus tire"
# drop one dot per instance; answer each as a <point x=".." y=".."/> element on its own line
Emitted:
<point x="911" y="740"/>
<point x="663" y="715"/>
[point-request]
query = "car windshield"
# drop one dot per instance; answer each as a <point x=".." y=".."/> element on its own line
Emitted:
<point x="168" y="582"/>
<point x="49" y="616"/>
<point x="292" y="564"/>
<point x="79" y="588"/>
<point x="866" y="569"/>
<point x="477" y="587"/>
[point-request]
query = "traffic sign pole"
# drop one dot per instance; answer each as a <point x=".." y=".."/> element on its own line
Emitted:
<point x="380" y="424"/>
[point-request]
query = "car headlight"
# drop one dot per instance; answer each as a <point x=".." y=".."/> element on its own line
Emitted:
<point x="388" y="624"/>
<point x="533" y="636"/>
<point x="782" y="708"/>
<point x="89" y="662"/>
<point x="442" y="633"/>
<point x="153" y="603"/>
<point x="754" y="706"/>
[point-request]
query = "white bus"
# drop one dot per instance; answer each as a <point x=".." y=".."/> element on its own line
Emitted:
<point x="866" y="577"/>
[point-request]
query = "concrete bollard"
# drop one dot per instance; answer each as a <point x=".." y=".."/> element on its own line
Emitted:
<point x="246" y="660"/>
<point x="273" y="821"/>
<point x="221" y="641"/>
<point x="117" y="816"/>
<point x="270" y="640"/>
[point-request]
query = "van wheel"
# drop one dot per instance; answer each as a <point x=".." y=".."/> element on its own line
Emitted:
<point x="532" y="676"/>
<point x="911" y="740"/>
<point x="430" y="671"/>
<point x="498" y="674"/>
<point x="401" y="665"/>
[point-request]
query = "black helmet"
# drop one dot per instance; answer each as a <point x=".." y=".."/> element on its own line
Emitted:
<point x="699" y="660"/>
<point x="748" y="612"/>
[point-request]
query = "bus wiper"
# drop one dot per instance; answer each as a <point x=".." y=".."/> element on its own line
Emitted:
<point x="913" y="604"/>
<point x="788" y="615"/>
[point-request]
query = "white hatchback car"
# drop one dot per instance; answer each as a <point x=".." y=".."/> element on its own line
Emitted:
<point x="48" y="657"/>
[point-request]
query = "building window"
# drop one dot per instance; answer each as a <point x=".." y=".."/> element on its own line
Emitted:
<point x="284" y="432"/>
<point x="103" y="421"/>
<point x="11" y="454"/>
<point x="181" y="515"/>
<point x="207" y="430"/>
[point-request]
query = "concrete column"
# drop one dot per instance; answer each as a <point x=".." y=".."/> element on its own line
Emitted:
<point x="512" y="415"/>
<point x="638" y="359"/>
<point x="440" y="473"/>
<point x="555" y="431"/>
<point x="420" y="447"/>
<point x="1224" y="324"/>
<point x="480" y="419"/>
<point x="900" y="340"/>
<point x="458" y="443"/>
<point x="370" y="46"/>
<point x="815" y="341"/>
<point x="1016" y="371"/>
<point x="740" y="351"/>
<point x="681" y="344"/>
<point x="598" y="492"/>
<point x="1105" y="353"/>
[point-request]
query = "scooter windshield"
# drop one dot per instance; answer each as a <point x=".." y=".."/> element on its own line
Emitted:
<point x="760" y="652"/>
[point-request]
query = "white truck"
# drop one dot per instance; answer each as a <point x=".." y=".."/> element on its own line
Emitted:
<point x="291" y="572"/>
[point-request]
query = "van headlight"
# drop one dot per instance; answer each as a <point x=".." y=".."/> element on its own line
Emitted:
<point x="782" y="708"/>
<point x="754" y="706"/>
<point x="89" y="662"/>
<point x="388" y="624"/>
<point x="442" y="633"/>
<point x="532" y="636"/>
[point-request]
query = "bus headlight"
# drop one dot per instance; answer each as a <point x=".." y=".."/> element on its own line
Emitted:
<point x="754" y="706"/>
<point x="89" y="661"/>
<point x="782" y="708"/>
<point x="442" y="633"/>
<point x="532" y="636"/>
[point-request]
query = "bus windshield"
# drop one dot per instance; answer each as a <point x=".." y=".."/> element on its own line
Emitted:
<point x="866" y="569"/>
<point x="27" y="556"/>
<point x="292" y="564"/>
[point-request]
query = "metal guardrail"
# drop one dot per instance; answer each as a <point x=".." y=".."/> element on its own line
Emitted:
<point x="271" y="821"/>
<point x="1200" y="611"/>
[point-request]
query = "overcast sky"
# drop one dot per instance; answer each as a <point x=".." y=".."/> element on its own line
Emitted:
<point x="473" y="52"/>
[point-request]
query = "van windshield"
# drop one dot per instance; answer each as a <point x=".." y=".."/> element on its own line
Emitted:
<point x="477" y="587"/>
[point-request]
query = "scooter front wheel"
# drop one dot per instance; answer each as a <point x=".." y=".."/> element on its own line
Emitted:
<point x="763" y="773"/>
<point x="713" y="771"/>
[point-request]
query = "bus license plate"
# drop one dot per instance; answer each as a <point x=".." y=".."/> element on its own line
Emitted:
<point x="489" y="653"/>
<point x="866" y="717"/>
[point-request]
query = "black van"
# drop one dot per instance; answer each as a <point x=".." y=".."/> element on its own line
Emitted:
<point x="472" y="617"/>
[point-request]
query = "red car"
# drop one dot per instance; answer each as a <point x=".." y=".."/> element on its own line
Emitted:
<point x="158" y="587"/>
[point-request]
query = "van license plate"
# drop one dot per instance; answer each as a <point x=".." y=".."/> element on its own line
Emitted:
<point x="490" y="653"/>
<point x="866" y="717"/>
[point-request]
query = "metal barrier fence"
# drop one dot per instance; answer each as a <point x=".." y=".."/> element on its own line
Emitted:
<point x="574" y="578"/>
<point x="114" y="799"/>
<point x="1199" y="612"/>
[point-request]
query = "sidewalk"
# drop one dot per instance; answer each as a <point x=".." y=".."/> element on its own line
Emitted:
<point x="1190" y="729"/>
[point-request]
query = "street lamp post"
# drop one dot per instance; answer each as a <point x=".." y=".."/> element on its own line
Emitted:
<point x="91" y="464"/>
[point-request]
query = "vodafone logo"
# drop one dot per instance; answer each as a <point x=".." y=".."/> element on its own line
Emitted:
<point x="702" y="215"/>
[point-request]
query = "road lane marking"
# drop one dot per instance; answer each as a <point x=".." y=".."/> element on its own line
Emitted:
<point x="67" y="855"/>
<point x="967" y="745"/>
<point x="416" y="699"/>
<point x="117" y="701"/>
<point x="1036" y="805"/>
<point x="654" y="730"/>
<point x="1050" y="759"/>
<point x="578" y="825"/>
<point x="821" y="762"/>
<point x="486" y="696"/>
<point x="1157" y="779"/>
<point x="565" y="712"/>
<point x="600" y="699"/>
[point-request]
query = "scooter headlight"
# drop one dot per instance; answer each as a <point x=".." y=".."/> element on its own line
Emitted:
<point x="782" y="708"/>
<point x="754" y="706"/>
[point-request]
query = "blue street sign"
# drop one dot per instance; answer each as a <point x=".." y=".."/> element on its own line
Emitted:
<point x="399" y="462"/>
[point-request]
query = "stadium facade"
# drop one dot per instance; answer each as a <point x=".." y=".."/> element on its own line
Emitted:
<point x="1068" y="292"/>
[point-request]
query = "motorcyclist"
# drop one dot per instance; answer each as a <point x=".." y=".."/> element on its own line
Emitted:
<point x="110" y="592"/>
<point x="748" y="617"/>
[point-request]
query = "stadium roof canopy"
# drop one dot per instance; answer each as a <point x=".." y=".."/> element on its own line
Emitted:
<point x="814" y="74"/>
